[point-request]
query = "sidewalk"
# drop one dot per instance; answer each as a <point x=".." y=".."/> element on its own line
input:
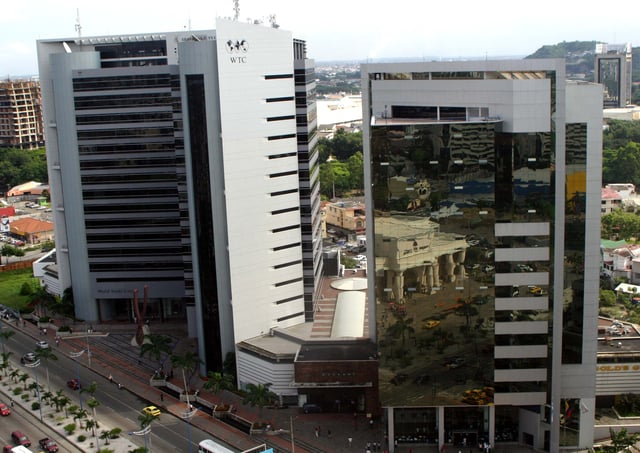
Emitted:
<point x="112" y="354"/>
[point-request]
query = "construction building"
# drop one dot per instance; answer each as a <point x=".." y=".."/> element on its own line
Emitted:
<point x="21" y="124"/>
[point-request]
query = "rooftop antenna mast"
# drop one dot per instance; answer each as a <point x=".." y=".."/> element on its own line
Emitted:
<point x="236" y="9"/>
<point x="78" y="26"/>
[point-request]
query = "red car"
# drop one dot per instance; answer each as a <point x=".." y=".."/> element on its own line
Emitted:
<point x="4" y="410"/>
<point x="48" y="445"/>
<point x="19" y="438"/>
<point x="73" y="384"/>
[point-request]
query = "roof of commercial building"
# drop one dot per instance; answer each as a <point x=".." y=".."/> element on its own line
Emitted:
<point x="29" y="225"/>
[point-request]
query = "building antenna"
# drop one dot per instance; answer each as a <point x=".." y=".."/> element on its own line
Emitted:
<point x="78" y="26"/>
<point x="236" y="9"/>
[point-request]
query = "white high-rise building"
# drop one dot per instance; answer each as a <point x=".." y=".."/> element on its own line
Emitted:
<point x="177" y="163"/>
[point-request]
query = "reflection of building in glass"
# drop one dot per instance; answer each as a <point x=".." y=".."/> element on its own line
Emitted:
<point x="613" y="70"/>
<point x="484" y="320"/>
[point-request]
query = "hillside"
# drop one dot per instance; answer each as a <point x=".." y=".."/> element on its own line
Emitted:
<point x="580" y="58"/>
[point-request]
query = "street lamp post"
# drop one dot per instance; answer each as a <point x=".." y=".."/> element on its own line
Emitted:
<point x="74" y="356"/>
<point x="88" y="349"/>
<point x="35" y="365"/>
<point x="144" y="432"/>
<point x="186" y="415"/>
<point x="293" y="444"/>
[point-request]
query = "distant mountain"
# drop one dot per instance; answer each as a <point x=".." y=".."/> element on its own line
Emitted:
<point x="580" y="57"/>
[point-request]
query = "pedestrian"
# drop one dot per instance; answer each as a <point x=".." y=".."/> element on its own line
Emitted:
<point x="371" y="423"/>
<point x="44" y="331"/>
<point x="329" y="433"/>
<point x="317" y="433"/>
<point x="110" y="378"/>
<point x="11" y="402"/>
<point x="162" y="397"/>
<point x="349" y="439"/>
<point x="24" y="323"/>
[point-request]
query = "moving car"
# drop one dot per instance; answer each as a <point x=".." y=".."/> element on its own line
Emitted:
<point x="29" y="357"/>
<point x="42" y="344"/>
<point x="4" y="410"/>
<point x="73" y="384"/>
<point x="48" y="445"/>
<point x="19" y="438"/>
<point x="151" y="410"/>
<point x="431" y="323"/>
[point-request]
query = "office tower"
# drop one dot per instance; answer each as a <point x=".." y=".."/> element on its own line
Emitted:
<point x="309" y="174"/>
<point x="483" y="183"/>
<point x="174" y="167"/>
<point x="20" y="114"/>
<point x="614" y="71"/>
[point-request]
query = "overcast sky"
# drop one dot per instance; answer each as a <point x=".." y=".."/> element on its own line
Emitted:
<point x="334" y="30"/>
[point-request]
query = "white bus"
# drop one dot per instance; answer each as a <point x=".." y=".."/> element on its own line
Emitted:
<point x="209" y="446"/>
<point x="20" y="449"/>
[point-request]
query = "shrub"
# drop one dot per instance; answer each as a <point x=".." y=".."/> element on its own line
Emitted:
<point x="70" y="428"/>
<point x="35" y="406"/>
<point x="115" y="433"/>
<point x="44" y="319"/>
<point x="26" y="289"/>
<point x="64" y="329"/>
<point x="17" y="391"/>
<point x="82" y="438"/>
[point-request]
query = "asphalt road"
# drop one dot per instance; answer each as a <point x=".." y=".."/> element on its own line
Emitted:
<point x="118" y="408"/>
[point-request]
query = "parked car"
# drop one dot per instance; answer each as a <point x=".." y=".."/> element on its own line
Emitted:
<point x="310" y="408"/>
<point x="48" y="445"/>
<point x="19" y="438"/>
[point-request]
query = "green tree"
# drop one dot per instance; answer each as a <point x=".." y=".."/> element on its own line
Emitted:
<point x="622" y="440"/>
<point x="218" y="382"/>
<point x="259" y="395"/>
<point x="46" y="354"/>
<point x="186" y="362"/>
<point x="355" y="163"/>
<point x="9" y="250"/>
<point x="401" y="327"/>
<point x="155" y="346"/>
<point x="5" y="361"/>
<point x="620" y="225"/>
<point x="622" y="164"/>
<point x="5" y="335"/>
<point x="607" y="298"/>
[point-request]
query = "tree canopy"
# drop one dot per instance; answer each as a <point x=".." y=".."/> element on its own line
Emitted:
<point x="18" y="166"/>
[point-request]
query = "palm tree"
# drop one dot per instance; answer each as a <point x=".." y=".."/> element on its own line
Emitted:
<point x="218" y="382"/>
<point x="79" y="415"/>
<point x="62" y="401"/>
<point x="93" y="403"/>
<point x="145" y="420"/>
<point x="46" y="354"/>
<point x="155" y="346"/>
<point x="259" y="395"/>
<point x="186" y="362"/>
<point x="401" y="327"/>
<point x="5" y="334"/>
<point x="15" y="375"/>
<point x="5" y="361"/>
<point x="23" y="378"/>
